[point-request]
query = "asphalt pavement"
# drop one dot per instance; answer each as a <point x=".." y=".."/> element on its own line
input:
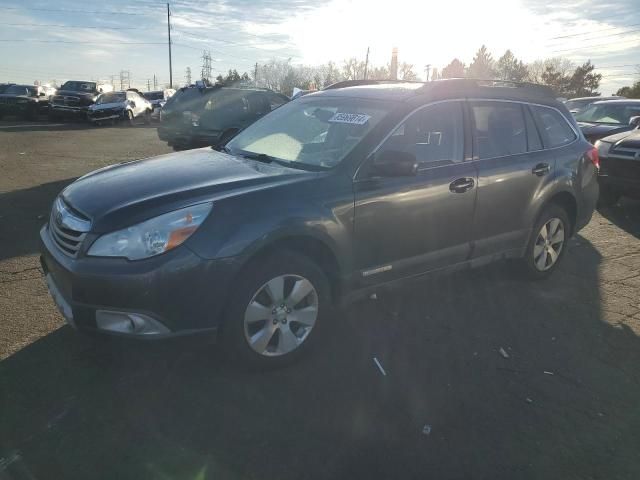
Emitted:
<point x="468" y="376"/>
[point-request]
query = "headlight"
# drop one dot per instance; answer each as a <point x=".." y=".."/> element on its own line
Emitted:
<point x="152" y="237"/>
<point x="603" y="148"/>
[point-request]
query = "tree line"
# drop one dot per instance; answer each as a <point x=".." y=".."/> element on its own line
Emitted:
<point x="565" y="78"/>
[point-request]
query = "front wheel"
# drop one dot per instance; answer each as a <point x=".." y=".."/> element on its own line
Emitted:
<point x="548" y="243"/>
<point x="129" y="118"/>
<point x="281" y="302"/>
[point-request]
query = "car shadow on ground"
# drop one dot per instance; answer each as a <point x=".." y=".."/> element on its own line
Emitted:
<point x="482" y="375"/>
<point x="44" y="126"/>
<point x="22" y="214"/>
<point x="625" y="214"/>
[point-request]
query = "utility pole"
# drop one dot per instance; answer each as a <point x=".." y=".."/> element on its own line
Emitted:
<point x="169" y="35"/>
<point x="148" y="84"/>
<point x="366" y="64"/>
<point x="255" y="76"/>
<point x="155" y="82"/>
<point x="125" y="78"/>
<point x="187" y="77"/>
<point x="112" y="81"/>
<point x="427" y="69"/>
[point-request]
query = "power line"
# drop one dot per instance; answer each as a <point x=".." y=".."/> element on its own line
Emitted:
<point x="73" y="26"/>
<point x="608" y="35"/>
<point x="80" y="43"/>
<point x="594" y="31"/>
<point x="583" y="47"/>
<point x="64" y="10"/>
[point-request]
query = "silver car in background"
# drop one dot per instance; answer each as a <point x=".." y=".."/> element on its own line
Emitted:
<point x="120" y="106"/>
<point x="158" y="98"/>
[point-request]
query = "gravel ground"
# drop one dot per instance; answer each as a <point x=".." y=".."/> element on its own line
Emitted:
<point x="564" y="404"/>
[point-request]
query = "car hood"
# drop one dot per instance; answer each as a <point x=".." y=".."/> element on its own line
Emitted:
<point x="625" y="139"/>
<point x="128" y="193"/>
<point x="596" y="131"/>
<point x="107" y="106"/>
<point x="76" y="94"/>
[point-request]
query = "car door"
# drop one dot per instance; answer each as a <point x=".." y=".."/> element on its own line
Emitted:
<point x="411" y="224"/>
<point x="512" y="168"/>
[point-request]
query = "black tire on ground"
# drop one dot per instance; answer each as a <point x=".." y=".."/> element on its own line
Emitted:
<point x="129" y="118"/>
<point x="608" y="196"/>
<point x="527" y="263"/>
<point x="31" y="114"/>
<point x="232" y="335"/>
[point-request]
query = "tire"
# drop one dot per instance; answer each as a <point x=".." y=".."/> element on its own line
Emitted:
<point x="129" y="118"/>
<point x="280" y="338"/>
<point x="541" y="259"/>
<point x="147" y="117"/>
<point x="608" y="197"/>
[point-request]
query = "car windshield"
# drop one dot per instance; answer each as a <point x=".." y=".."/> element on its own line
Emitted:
<point x="317" y="132"/>
<point x="611" y="113"/>
<point x="153" y="95"/>
<point x="79" y="86"/>
<point x="112" y="97"/>
<point x="21" y="90"/>
<point x="578" y="104"/>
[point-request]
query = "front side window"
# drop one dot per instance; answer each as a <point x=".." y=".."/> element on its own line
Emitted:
<point x="21" y="90"/>
<point x="276" y="101"/>
<point x="556" y="128"/>
<point x="434" y="135"/>
<point x="499" y="129"/>
<point x="314" y="131"/>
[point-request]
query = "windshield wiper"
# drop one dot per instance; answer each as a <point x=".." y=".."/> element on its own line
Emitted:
<point x="260" y="157"/>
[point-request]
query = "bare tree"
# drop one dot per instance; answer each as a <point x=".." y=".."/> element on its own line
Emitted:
<point x="405" y="72"/>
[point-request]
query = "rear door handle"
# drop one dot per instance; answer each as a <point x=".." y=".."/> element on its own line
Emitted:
<point x="461" y="185"/>
<point x="541" y="169"/>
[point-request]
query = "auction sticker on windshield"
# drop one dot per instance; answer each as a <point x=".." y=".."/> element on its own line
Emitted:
<point x="350" y="118"/>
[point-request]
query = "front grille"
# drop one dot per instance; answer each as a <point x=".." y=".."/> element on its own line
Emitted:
<point x="67" y="228"/>
<point x="8" y="100"/>
<point x="106" y="113"/>
<point x="66" y="100"/>
<point x="628" y="169"/>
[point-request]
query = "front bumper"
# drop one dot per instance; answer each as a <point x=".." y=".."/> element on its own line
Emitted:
<point x="101" y="117"/>
<point x="69" y="110"/>
<point x="181" y="291"/>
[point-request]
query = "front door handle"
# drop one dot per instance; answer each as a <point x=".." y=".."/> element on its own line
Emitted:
<point x="541" y="169"/>
<point x="461" y="185"/>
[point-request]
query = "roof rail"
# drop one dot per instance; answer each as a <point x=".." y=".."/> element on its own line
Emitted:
<point x="356" y="83"/>
<point x="531" y="88"/>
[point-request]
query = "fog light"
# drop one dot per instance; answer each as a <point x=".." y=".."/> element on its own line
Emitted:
<point x="129" y="323"/>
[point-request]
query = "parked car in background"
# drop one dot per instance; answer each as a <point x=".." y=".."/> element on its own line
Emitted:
<point x="602" y="119"/>
<point x="124" y="106"/>
<point x="158" y="98"/>
<point x="26" y="101"/>
<point x="325" y="199"/>
<point x="619" y="166"/>
<point x="75" y="97"/>
<point x="4" y="86"/>
<point x="197" y="117"/>
<point x="576" y="105"/>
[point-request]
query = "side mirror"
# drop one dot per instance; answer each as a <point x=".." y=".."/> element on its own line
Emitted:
<point x="635" y="121"/>
<point x="394" y="163"/>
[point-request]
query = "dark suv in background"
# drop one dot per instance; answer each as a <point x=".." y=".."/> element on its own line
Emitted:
<point x="27" y="101"/>
<point x="199" y="117"/>
<point x="326" y="198"/>
<point x="74" y="98"/>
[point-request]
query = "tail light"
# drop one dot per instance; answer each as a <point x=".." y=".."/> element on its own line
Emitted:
<point x="592" y="154"/>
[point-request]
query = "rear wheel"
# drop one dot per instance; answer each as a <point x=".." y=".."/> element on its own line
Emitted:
<point x="548" y="243"/>
<point x="129" y="118"/>
<point x="275" y="314"/>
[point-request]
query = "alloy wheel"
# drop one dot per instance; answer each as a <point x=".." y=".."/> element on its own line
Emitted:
<point x="549" y="243"/>
<point x="281" y="315"/>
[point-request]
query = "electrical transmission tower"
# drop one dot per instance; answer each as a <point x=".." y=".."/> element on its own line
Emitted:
<point x="187" y="76"/>
<point x="206" y="66"/>
<point x="125" y="79"/>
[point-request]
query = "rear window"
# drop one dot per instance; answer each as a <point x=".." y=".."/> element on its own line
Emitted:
<point x="555" y="127"/>
<point x="499" y="129"/>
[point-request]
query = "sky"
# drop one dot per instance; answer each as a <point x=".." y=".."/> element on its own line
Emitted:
<point x="68" y="39"/>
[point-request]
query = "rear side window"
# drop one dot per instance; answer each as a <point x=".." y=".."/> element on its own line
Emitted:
<point x="555" y="127"/>
<point x="433" y="134"/>
<point x="499" y="129"/>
